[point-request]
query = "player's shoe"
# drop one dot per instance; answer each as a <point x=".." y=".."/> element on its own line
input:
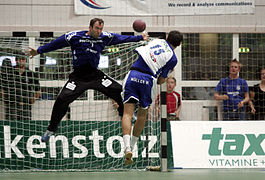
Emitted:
<point x="47" y="136"/>
<point x="128" y="156"/>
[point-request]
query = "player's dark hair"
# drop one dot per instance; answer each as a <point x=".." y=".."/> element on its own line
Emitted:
<point x="174" y="38"/>
<point x="92" y="21"/>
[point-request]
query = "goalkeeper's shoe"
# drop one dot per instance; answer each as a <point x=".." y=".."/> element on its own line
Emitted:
<point x="47" y="136"/>
<point x="128" y="156"/>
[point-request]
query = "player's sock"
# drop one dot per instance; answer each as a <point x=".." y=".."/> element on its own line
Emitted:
<point x="134" y="140"/>
<point x="127" y="151"/>
<point x="126" y="140"/>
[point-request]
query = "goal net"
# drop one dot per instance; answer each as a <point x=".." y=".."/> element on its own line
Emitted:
<point x="89" y="136"/>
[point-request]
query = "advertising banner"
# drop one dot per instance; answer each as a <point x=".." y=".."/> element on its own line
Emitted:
<point x="165" y="7"/>
<point x="234" y="144"/>
<point x="77" y="145"/>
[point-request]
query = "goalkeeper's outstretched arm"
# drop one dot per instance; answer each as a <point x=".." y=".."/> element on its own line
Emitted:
<point x="58" y="43"/>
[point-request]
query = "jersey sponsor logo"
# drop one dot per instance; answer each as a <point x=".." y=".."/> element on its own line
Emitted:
<point x="93" y="4"/>
<point x="71" y="85"/>
<point x="106" y="82"/>
<point x="152" y="57"/>
<point x="90" y="41"/>
<point x="233" y="93"/>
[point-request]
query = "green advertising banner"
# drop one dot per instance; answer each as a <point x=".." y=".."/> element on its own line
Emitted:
<point x="80" y="145"/>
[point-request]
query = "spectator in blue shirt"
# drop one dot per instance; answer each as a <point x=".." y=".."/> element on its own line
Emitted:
<point x="234" y="93"/>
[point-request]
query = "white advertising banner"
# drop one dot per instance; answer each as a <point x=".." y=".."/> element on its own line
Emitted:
<point x="238" y="144"/>
<point x="162" y="7"/>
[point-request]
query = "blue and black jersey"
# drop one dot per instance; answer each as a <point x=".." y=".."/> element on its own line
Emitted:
<point x="85" y="49"/>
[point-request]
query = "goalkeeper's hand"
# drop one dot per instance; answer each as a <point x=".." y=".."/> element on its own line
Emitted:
<point x="145" y="36"/>
<point x="31" y="52"/>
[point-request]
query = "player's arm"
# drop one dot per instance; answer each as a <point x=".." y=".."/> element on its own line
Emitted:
<point x="54" y="45"/>
<point x="117" y="38"/>
<point x="167" y="69"/>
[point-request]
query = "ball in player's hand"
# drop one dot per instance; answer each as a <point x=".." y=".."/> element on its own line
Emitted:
<point x="139" y="25"/>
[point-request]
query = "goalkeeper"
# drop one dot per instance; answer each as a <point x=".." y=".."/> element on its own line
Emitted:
<point x="156" y="60"/>
<point x="86" y="47"/>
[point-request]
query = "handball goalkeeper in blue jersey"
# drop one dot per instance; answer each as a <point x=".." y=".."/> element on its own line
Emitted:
<point x="86" y="47"/>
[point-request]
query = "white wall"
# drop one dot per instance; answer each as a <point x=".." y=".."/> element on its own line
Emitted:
<point x="50" y="15"/>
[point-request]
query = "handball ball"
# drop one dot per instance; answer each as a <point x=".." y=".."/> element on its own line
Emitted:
<point x="139" y="25"/>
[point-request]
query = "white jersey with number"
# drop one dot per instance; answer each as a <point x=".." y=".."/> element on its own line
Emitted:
<point x="156" y="54"/>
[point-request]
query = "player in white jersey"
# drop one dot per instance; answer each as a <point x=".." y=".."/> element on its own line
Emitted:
<point x="156" y="60"/>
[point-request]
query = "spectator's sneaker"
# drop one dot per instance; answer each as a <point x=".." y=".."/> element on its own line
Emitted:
<point x="128" y="156"/>
<point x="47" y="136"/>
